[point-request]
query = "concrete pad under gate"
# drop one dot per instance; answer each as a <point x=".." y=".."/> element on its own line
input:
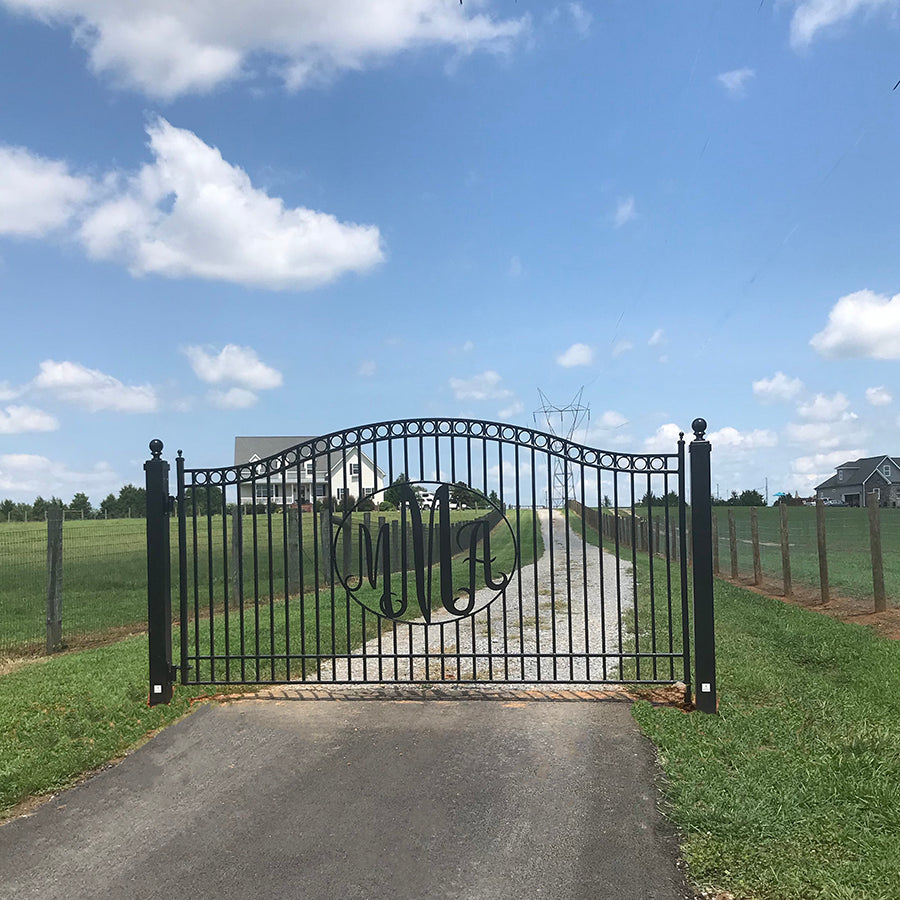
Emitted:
<point x="361" y="799"/>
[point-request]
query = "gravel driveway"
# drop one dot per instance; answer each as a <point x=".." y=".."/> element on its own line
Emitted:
<point x="553" y="613"/>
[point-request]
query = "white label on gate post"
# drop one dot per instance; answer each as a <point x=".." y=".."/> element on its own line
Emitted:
<point x="157" y="688"/>
<point x="706" y="687"/>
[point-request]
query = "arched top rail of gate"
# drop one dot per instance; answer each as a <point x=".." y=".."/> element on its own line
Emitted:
<point x="437" y="428"/>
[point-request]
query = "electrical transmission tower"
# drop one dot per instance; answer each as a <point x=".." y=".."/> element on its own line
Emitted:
<point x="562" y="421"/>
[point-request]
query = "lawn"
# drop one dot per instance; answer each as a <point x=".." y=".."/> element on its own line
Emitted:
<point x="266" y="640"/>
<point x="63" y="715"/>
<point x="847" y="543"/>
<point x="105" y="570"/>
<point x="791" y="792"/>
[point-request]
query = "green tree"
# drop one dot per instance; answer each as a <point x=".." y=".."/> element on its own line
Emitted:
<point x="751" y="497"/>
<point x="39" y="508"/>
<point x="109" y="507"/>
<point x="132" y="502"/>
<point x="81" y="505"/>
<point x="7" y="511"/>
<point x="203" y="500"/>
<point x="394" y="493"/>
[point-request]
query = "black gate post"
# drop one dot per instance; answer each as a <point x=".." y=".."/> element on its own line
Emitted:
<point x="159" y="589"/>
<point x="701" y="544"/>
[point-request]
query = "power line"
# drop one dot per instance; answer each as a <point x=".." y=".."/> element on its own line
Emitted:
<point x="562" y="421"/>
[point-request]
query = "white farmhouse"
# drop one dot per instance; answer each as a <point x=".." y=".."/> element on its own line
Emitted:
<point x="335" y="474"/>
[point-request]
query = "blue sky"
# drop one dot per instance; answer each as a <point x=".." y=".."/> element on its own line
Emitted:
<point x="292" y="218"/>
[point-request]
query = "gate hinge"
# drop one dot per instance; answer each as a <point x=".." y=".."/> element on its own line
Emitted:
<point x="170" y="506"/>
<point x="173" y="673"/>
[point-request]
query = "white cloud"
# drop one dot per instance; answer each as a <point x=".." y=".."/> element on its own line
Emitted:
<point x="729" y="438"/>
<point x="813" y="15"/>
<point x="625" y="211"/>
<point x="581" y="19"/>
<point x="191" y="213"/>
<point x="93" y="390"/>
<point x="664" y="440"/>
<point x="778" y="387"/>
<point x="514" y="409"/>
<point x="823" y="408"/>
<point x="8" y="392"/>
<point x="657" y="338"/>
<point x="735" y="81"/>
<point x="24" y="475"/>
<point x="367" y="368"/>
<point x="622" y="347"/>
<point x="611" y="419"/>
<point x="576" y="355"/>
<point x="862" y="325"/>
<point x="37" y="195"/>
<point x="878" y="396"/>
<point x="515" y="267"/>
<point x="167" y="48"/>
<point x="233" y="364"/>
<point x="234" y="398"/>
<point x="20" y="419"/>
<point x="468" y="346"/>
<point x="485" y="386"/>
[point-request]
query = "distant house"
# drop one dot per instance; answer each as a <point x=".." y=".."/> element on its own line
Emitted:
<point x="856" y="478"/>
<point x="335" y="474"/>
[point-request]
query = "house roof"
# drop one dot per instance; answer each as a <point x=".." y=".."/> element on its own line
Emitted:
<point x="263" y="446"/>
<point x="861" y="470"/>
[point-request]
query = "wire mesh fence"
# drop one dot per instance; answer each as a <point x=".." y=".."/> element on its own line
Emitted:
<point x="102" y="584"/>
<point x="761" y="558"/>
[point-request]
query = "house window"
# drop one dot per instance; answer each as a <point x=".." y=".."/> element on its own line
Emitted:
<point x="840" y="474"/>
<point x="262" y="492"/>
<point x="309" y="468"/>
<point x="320" y="490"/>
<point x="368" y="492"/>
<point x="341" y="493"/>
<point x="886" y="470"/>
<point x="354" y="469"/>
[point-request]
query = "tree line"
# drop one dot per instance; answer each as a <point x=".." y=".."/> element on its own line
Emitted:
<point x="130" y="503"/>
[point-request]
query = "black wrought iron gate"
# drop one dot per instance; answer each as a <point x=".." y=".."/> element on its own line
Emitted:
<point x="433" y="550"/>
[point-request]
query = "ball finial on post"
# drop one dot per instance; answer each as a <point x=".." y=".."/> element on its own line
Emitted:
<point x="156" y="448"/>
<point x="698" y="426"/>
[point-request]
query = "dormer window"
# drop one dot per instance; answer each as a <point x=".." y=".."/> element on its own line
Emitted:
<point x="840" y="474"/>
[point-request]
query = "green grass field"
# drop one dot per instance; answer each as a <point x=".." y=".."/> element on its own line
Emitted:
<point x="791" y="792"/>
<point x="227" y="644"/>
<point x="847" y="542"/>
<point x="105" y="574"/>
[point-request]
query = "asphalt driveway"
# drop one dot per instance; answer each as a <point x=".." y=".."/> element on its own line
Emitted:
<point x="361" y="799"/>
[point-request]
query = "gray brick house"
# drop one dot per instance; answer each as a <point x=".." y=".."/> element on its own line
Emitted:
<point x="855" y="478"/>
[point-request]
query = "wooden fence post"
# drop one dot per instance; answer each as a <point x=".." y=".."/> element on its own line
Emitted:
<point x="293" y="549"/>
<point x="326" y="536"/>
<point x="237" y="550"/>
<point x="732" y="540"/>
<point x="754" y="537"/>
<point x="715" y="539"/>
<point x="875" y="544"/>
<point x="347" y="535"/>
<point x="785" y="552"/>
<point x="54" y="578"/>
<point x="823" y="557"/>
